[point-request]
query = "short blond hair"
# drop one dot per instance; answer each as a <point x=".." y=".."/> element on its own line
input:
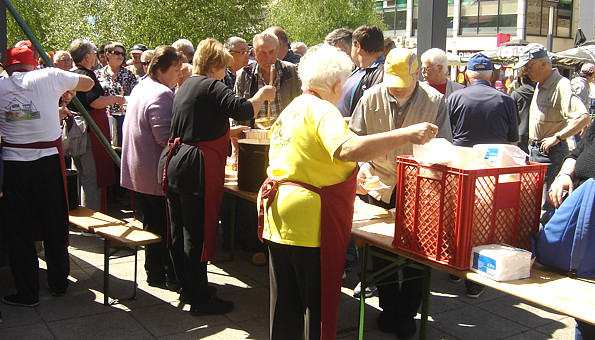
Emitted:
<point x="210" y="55"/>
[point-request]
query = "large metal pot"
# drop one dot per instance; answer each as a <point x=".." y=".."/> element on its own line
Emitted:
<point x="253" y="160"/>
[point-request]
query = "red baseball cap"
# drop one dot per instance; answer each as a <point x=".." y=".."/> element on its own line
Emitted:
<point x="26" y="43"/>
<point x="19" y="55"/>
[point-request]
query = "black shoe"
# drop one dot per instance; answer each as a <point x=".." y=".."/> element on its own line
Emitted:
<point x="406" y="328"/>
<point x="184" y="298"/>
<point x="213" y="306"/>
<point x="156" y="282"/>
<point x="387" y="322"/>
<point x="475" y="291"/>
<point x="453" y="278"/>
<point x="17" y="300"/>
<point x="57" y="292"/>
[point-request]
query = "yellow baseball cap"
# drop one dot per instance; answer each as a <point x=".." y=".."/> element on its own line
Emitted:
<point x="400" y="67"/>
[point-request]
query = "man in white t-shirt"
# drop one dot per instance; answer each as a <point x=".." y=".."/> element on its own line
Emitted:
<point x="34" y="202"/>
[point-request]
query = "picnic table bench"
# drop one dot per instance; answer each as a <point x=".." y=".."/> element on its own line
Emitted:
<point x="118" y="236"/>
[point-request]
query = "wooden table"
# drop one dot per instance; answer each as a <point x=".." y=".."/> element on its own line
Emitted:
<point x="574" y="297"/>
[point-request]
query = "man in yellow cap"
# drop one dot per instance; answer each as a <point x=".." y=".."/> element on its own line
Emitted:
<point x="399" y="101"/>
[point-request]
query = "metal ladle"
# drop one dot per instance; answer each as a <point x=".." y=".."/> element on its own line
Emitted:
<point x="265" y="123"/>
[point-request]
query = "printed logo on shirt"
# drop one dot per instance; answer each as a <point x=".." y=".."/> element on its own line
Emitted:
<point x="17" y="111"/>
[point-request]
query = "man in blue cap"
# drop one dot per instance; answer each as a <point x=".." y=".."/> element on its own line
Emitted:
<point x="480" y="114"/>
<point x="555" y="114"/>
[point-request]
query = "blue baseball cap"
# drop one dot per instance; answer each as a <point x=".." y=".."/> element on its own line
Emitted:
<point x="479" y="62"/>
<point x="531" y="51"/>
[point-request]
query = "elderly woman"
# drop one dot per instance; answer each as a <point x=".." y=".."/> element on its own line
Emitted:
<point x="116" y="80"/>
<point x="194" y="173"/>
<point x="306" y="204"/>
<point x="146" y="132"/>
<point x="145" y="60"/>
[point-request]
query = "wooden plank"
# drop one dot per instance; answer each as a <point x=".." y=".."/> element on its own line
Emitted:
<point x="574" y="297"/>
<point x="111" y="228"/>
<point x="231" y="186"/>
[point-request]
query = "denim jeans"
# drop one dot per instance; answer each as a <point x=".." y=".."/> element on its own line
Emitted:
<point x="554" y="159"/>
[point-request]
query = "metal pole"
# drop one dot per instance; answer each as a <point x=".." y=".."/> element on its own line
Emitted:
<point x="550" y="30"/>
<point x="17" y="17"/>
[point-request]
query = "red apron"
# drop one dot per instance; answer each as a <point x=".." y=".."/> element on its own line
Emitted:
<point x="104" y="165"/>
<point x="47" y="145"/>
<point x="215" y="155"/>
<point x="335" y="230"/>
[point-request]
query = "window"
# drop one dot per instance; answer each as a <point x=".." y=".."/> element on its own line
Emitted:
<point x="538" y="17"/>
<point x="449" y="20"/>
<point x="488" y="17"/>
<point x="395" y="17"/>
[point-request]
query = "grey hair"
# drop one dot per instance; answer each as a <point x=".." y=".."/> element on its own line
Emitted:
<point x="322" y="66"/>
<point x="184" y="45"/>
<point x="547" y="60"/>
<point x="484" y="74"/>
<point x="58" y="54"/>
<point x="339" y="36"/>
<point x="231" y="43"/>
<point x="79" y="48"/>
<point x="298" y="43"/>
<point x="148" y="54"/>
<point x="437" y="57"/>
<point x="265" y="36"/>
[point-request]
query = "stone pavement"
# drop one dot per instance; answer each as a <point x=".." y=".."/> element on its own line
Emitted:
<point x="157" y="313"/>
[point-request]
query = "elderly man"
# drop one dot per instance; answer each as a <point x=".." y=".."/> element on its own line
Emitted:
<point x="185" y="47"/>
<point x="341" y="39"/>
<point x="255" y="75"/>
<point x="556" y="113"/>
<point x="434" y="68"/>
<point x="284" y="53"/>
<point x="240" y="51"/>
<point x="34" y="183"/>
<point x="399" y="101"/>
<point x="299" y="48"/>
<point x="137" y="67"/>
<point x="367" y="52"/>
<point x="63" y="60"/>
<point x="480" y="114"/>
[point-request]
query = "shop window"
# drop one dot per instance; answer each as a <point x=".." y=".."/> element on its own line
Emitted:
<point x="488" y="17"/>
<point x="538" y="17"/>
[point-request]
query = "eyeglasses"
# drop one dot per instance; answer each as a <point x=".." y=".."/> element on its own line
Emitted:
<point x="121" y="54"/>
<point x="243" y="53"/>
<point x="426" y="69"/>
<point x="528" y="67"/>
<point x="145" y="63"/>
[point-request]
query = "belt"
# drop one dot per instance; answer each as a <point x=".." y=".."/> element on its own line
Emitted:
<point x="534" y="142"/>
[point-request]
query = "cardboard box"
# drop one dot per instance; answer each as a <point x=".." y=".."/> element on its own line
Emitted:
<point x="501" y="262"/>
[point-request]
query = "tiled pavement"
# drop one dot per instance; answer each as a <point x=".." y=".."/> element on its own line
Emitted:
<point x="157" y="314"/>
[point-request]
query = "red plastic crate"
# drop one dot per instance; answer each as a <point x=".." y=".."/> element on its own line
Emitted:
<point x="442" y="212"/>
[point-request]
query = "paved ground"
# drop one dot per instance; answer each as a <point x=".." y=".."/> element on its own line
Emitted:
<point x="157" y="314"/>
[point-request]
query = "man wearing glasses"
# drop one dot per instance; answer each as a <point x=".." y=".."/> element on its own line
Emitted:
<point x="240" y="51"/>
<point x="555" y="114"/>
<point x="434" y="68"/>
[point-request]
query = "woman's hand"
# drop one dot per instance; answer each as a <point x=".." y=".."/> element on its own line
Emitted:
<point x="67" y="97"/>
<point x="366" y="171"/>
<point x="237" y="132"/>
<point x="556" y="192"/>
<point x="266" y="92"/>
<point x="421" y="133"/>
<point x="119" y="100"/>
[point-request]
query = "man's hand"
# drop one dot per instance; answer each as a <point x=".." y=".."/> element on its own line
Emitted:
<point x="421" y="133"/>
<point x="548" y="142"/>
<point x="64" y="112"/>
<point x="366" y="171"/>
<point x="556" y="193"/>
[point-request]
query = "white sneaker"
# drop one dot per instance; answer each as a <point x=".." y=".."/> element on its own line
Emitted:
<point x="370" y="291"/>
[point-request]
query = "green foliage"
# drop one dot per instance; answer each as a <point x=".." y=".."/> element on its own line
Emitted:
<point x="156" y="22"/>
<point x="310" y="21"/>
<point x="151" y="22"/>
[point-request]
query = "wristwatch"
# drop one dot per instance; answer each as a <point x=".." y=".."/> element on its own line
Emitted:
<point x="557" y="135"/>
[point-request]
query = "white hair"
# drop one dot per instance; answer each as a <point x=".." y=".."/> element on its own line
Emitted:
<point x="184" y="45"/>
<point x="265" y="36"/>
<point x="147" y="55"/>
<point x="437" y="57"/>
<point x="58" y="54"/>
<point x="322" y="66"/>
<point x="484" y="74"/>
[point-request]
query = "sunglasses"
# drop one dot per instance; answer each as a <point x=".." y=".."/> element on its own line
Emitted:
<point x="145" y="63"/>
<point x="121" y="54"/>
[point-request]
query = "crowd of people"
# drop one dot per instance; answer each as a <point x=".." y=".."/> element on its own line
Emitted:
<point x="340" y="112"/>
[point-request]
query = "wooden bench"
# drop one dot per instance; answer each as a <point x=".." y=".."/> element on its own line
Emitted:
<point x="117" y="235"/>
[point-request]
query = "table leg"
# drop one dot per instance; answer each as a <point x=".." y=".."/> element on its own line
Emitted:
<point x="425" y="303"/>
<point x="232" y="227"/>
<point x="363" y="286"/>
<point x="106" y="252"/>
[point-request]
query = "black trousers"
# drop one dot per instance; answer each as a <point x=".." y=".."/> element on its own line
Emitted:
<point x="401" y="300"/>
<point x="294" y="274"/>
<point x="34" y="196"/>
<point x="158" y="263"/>
<point x="186" y="215"/>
